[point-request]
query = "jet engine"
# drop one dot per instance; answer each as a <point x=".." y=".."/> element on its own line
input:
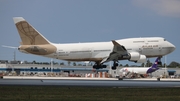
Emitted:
<point x="136" y="57"/>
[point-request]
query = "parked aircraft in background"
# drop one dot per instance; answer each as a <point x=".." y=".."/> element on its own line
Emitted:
<point x="141" y="70"/>
<point x="132" y="49"/>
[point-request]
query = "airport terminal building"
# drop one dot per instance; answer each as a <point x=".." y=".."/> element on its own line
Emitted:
<point x="48" y="70"/>
<point x="19" y="69"/>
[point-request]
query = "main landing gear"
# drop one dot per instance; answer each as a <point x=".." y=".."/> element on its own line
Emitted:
<point x="98" y="66"/>
<point x="115" y="64"/>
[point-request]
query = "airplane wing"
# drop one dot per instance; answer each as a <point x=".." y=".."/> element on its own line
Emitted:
<point x="118" y="50"/>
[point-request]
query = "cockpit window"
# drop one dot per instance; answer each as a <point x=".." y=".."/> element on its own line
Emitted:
<point x="164" y="39"/>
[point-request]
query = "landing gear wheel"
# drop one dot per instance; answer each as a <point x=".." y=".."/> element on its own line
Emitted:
<point x="113" y="68"/>
<point x="98" y="66"/>
<point x="159" y="63"/>
<point x="116" y="64"/>
<point x="95" y="67"/>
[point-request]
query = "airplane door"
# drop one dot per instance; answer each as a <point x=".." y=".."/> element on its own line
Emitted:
<point x="140" y="49"/>
<point x="160" y="48"/>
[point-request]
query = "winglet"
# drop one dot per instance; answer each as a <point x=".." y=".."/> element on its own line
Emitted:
<point x="10" y="47"/>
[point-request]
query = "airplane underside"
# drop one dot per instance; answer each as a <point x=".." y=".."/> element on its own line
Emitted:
<point x="99" y="65"/>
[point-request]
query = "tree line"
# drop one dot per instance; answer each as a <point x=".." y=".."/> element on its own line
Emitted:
<point x="173" y="64"/>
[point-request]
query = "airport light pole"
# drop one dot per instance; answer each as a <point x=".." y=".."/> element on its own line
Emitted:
<point x="110" y="72"/>
<point x="51" y="65"/>
<point x="165" y="66"/>
<point x="12" y="48"/>
<point x="14" y="55"/>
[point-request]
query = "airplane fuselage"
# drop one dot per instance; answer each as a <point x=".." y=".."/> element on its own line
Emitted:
<point x="96" y="51"/>
<point x="135" y="70"/>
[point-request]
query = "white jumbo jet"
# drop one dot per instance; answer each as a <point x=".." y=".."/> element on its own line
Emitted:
<point x="132" y="49"/>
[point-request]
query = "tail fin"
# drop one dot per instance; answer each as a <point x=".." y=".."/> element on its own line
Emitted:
<point x="154" y="67"/>
<point x="155" y="63"/>
<point x="29" y="35"/>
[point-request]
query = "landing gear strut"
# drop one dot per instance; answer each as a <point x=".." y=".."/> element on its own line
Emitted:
<point x="159" y="62"/>
<point x="115" y="64"/>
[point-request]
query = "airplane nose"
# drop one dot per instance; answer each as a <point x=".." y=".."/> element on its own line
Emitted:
<point x="171" y="47"/>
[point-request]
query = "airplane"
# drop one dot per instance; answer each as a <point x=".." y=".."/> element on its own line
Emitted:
<point x="132" y="49"/>
<point x="142" y="70"/>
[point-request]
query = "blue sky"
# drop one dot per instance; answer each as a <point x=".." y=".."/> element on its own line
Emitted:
<point x="67" y="21"/>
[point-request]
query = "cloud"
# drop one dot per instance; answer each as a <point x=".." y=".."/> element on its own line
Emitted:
<point x="162" y="7"/>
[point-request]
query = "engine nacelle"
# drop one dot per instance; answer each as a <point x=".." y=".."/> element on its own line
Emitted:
<point x="142" y="59"/>
<point x="136" y="57"/>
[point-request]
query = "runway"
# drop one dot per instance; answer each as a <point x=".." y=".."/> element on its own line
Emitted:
<point x="87" y="83"/>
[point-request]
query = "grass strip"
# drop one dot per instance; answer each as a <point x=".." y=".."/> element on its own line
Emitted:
<point x="59" y="93"/>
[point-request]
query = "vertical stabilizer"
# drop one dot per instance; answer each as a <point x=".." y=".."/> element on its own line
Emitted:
<point x="29" y="35"/>
<point x="154" y="67"/>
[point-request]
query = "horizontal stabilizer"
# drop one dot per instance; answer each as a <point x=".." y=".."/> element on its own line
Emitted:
<point x="9" y="47"/>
